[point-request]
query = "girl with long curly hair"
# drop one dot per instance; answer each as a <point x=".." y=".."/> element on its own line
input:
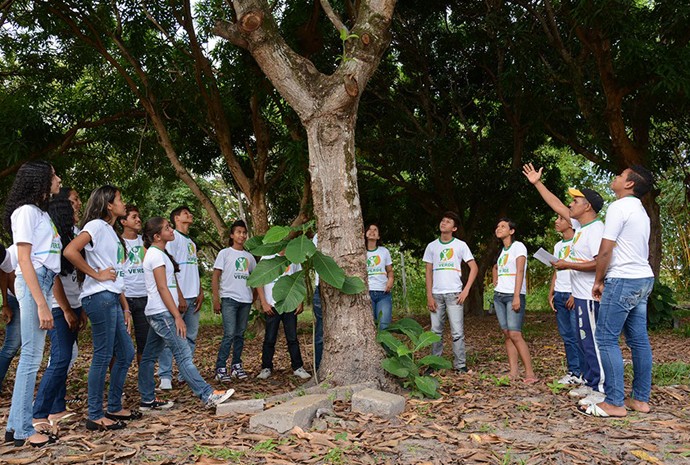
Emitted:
<point x="38" y="256"/>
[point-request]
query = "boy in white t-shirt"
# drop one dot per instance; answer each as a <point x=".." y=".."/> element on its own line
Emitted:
<point x="563" y="304"/>
<point x="583" y="215"/>
<point x="135" y="287"/>
<point x="183" y="250"/>
<point x="445" y="293"/>
<point x="624" y="280"/>
<point x="233" y="298"/>
<point x="273" y="319"/>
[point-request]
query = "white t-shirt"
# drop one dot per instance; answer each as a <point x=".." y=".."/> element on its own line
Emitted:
<point x="31" y="225"/>
<point x="377" y="261"/>
<point x="235" y="266"/>
<point x="627" y="224"/>
<point x="183" y="250"/>
<point x="446" y="259"/>
<point x="9" y="264"/>
<point x="156" y="258"/>
<point x="507" y="268"/>
<point x="104" y="251"/>
<point x="562" y="251"/>
<point x="315" y="240"/>
<point x="134" y="268"/>
<point x="72" y="290"/>
<point x="584" y="248"/>
<point x="268" y="288"/>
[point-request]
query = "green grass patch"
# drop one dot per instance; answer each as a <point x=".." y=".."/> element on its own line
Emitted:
<point x="669" y="374"/>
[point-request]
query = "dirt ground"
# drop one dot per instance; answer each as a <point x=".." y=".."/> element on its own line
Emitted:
<point x="477" y="420"/>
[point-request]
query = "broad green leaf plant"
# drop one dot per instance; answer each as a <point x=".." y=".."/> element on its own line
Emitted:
<point x="402" y="357"/>
<point x="290" y="291"/>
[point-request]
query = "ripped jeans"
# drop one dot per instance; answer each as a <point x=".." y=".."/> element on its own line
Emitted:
<point x="447" y="306"/>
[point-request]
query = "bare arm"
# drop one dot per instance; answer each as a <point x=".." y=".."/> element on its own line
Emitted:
<point x="551" y="291"/>
<point x="167" y="298"/>
<point x="265" y="306"/>
<point x="494" y="275"/>
<point x="430" y="302"/>
<point x="45" y="316"/>
<point x="474" y="270"/>
<point x="215" y="289"/>
<point x="551" y="200"/>
<point x="519" y="278"/>
<point x="389" y="274"/>
<point x="602" y="265"/>
<point x="577" y="266"/>
<point x="73" y="253"/>
<point x="6" y="311"/>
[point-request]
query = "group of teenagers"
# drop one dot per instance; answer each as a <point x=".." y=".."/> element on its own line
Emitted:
<point x="110" y="269"/>
<point x="599" y="290"/>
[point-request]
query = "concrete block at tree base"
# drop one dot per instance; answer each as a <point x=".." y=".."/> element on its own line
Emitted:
<point x="379" y="403"/>
<point x="240" y="406"/>
<point x="299" y="411"/>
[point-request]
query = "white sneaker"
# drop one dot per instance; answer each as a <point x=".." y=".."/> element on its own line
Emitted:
<point x="218" y="397"/>
<point x="582" y="391"/>
<point x="301" y="373"/>
<point x="594" y="398"/>
<point x="166" y="384"/>
<point x="264" y="373"/>
<point x="570" y="379"/>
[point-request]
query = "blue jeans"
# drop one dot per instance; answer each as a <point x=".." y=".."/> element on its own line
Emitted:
<point x="191" y="319"/>
<point x="33" y="342"/>
<point x="623" y="309"/>
<point x="235" y="316"/>
<point x="567" y="328"/>
<point x="318" y="328"/>
<point x="508" y="319"/>
<point x="163" y="335"/>
<point x="447" y="305"/>
<point x="382" y="306"/>
<point x="110" y="337"/>
<point x="50" y="397"/>
<point x="13" y="338"/>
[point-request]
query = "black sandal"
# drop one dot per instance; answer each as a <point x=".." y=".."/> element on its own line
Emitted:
<point x="133" y="415"/>
<point x="9" y="436"/>
<point x="93" y="426"/>
<point x="52" y="438"/>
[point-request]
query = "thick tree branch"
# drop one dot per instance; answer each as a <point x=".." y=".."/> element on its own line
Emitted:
<point x="332" y="16"/>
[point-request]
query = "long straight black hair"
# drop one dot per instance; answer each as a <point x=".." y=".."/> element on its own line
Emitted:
<point x="153" y="226"/>
<point x="97" y="208"/>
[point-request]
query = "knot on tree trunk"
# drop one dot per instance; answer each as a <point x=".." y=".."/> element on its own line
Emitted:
<point x="351" y="86"/>
<point x="366" y="39"/>
<point x="251" y="21"/>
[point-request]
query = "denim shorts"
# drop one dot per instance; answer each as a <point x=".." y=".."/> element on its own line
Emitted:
<point x="508" y="319"/>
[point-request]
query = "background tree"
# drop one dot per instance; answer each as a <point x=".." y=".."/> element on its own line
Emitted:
<point x="327" y="108"/>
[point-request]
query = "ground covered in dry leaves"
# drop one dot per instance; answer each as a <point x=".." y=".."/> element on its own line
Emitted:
<point x="479" y="419"/>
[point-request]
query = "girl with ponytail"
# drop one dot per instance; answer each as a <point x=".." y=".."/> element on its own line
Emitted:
<point x="168" y="329"/>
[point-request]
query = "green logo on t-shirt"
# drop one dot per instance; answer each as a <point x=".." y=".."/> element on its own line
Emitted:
<point x="120" y="253"/>
<point x="446" y="254"/>
<point x="502" y="260"/>
<point x="136" y="255"/>
<point x="191" y="251"/>
<point x="373" y="261"/>
<point x="241" y="264"/>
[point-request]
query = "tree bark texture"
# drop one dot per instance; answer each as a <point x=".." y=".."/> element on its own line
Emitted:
<point x="327" y="107"/>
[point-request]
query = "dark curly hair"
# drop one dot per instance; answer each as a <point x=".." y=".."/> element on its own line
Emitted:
<point x="153" y="226"/>
<point x="61" y="212"/>
<point x="31" y="186"/>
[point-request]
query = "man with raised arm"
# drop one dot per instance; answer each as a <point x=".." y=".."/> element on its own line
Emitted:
<point x="583" y="215"/>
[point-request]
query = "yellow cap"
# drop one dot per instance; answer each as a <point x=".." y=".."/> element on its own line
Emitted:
<point x="575" y="192"/>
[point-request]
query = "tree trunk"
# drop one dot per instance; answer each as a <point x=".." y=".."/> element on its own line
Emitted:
<point x="655" y="239"/>
<point x="259" y="211"/>
<point x="351" y="353"/>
